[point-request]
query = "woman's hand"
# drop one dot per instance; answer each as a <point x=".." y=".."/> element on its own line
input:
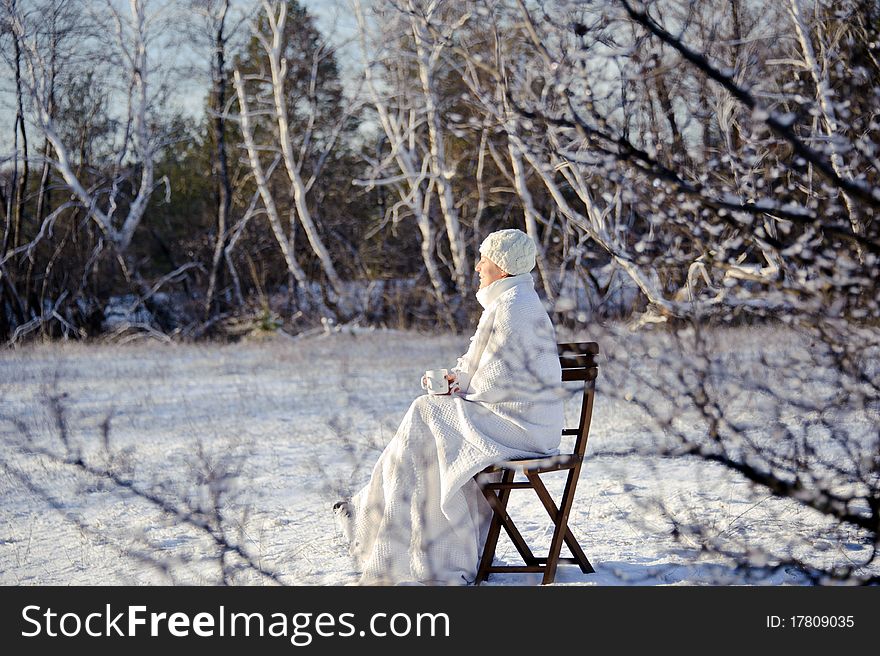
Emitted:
<point x="450" y="378"/>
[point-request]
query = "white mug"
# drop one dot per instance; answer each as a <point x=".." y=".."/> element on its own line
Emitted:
<point x="435" y="381"/>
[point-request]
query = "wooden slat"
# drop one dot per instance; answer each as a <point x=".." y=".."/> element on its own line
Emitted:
<point x="518" y="485"/>
<point x="578" y="347"/>
<point x="521" y="464"/>
<point x="529" y="568"/>
<point x="551" y="468"/>
<point x="579" y="374"/>
<point x="576" y="361"/>
<point x="540" y="467"/>
<point x="495" y="569"/>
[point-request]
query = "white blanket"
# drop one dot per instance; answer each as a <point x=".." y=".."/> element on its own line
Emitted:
<point x="422" y="518"/>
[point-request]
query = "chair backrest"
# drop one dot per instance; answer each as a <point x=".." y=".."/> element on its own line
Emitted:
<point x="578" y="361"/>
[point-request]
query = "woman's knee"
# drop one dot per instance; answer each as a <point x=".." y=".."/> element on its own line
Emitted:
<point x="419" y="430"/>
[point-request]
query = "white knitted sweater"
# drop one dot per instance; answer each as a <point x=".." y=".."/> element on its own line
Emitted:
<point x="422" y="518"/>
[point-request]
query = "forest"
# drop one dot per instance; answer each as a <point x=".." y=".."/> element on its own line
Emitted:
<point x="672" y="159"/>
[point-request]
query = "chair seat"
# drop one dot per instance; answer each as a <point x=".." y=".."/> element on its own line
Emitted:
<point x="536" y="465"/>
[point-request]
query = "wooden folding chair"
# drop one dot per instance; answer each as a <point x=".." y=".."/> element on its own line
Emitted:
<point x="578" y="362"/>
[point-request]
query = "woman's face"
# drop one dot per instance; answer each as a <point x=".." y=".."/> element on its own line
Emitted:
<point x="489" y="272"/>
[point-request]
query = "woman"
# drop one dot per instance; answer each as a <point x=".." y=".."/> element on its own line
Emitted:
<point x="422" y="518"/>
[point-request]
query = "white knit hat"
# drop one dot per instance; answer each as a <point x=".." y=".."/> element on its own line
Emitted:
<point x="512" y="250"/>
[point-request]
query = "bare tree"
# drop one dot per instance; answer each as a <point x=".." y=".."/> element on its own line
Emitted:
<point x="132" y="39"/>
<point x="429" y="47"/>
<point x="15" y="201"/>
<point x="216" y="14"/>
<point x="268" y="92"/>
<point x="401" y="122"/>
<point x="115" y="199"/>
<point x="261" y="177"/>
<point x="824" y="95"/>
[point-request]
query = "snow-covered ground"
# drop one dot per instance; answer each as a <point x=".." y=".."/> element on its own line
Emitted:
<point x="297" y="424"/>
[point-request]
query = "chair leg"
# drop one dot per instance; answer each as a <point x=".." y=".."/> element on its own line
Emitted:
<point x="512" y="531"/>
<point x="494" y="528"/>
<point x="553" y="511"/>
<point x="561" y="526"/>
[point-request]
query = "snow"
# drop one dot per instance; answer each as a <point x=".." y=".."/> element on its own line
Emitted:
<point x="300" y="423"/>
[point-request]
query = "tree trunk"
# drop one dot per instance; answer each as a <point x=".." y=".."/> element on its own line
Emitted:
<point x="530" y="216"/>
<point x="439" y="165"/>
<point x="278" y="69"/>
<point x="399" y="131"/>
<point x="262" y="182"/>
<point x="44" y="196"/>
<point x="19" y="183"/>
<point x="826" y="107"/>
<point x="213" y="300"/>
<point x="44" y="199"/>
